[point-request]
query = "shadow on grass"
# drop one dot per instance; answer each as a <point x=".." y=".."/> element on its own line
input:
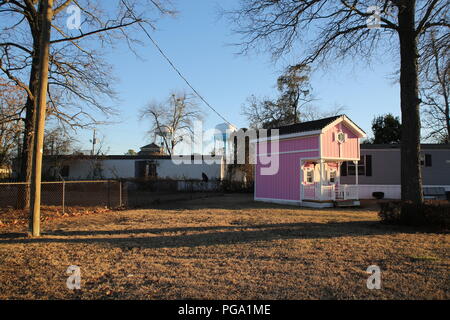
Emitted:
<point x="209" y="236"/>
<point x="239" y="201"/>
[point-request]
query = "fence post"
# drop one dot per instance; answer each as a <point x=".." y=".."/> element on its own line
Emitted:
<point x="109" y="200"/>
<point x="120" y="193"/>
<point x="63" y="196"/>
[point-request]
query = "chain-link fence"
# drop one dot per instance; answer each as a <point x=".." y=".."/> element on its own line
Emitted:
<point x="63" y="194"/>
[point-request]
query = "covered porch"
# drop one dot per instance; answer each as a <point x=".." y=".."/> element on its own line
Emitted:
<point x="321" y="186"/>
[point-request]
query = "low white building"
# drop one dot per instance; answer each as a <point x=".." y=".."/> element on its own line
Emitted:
<point x="80" y="167"/>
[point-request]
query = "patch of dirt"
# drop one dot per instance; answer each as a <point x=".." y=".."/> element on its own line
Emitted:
<point x="226" y="247"/>
<point x="10" y="216"/>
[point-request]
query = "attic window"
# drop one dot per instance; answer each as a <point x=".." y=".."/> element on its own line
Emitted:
<point x="340" y="137"/>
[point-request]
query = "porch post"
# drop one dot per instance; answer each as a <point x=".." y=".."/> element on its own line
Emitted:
<point x="302" y="178"/>
<point x="338" y="173"/>
<point x="356" y="178"/>
<point x="321" y="169"/>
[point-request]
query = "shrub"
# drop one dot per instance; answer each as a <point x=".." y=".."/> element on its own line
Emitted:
<point x="408" y="213"/>
<point x="229" y="186"/>
<point x="390" y="212"/>
<point x="378" y="195"/>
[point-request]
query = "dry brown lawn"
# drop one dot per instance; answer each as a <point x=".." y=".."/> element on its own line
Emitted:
<point x="225" y="247"/>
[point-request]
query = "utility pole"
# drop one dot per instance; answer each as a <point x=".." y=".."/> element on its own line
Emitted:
<point x="94" y="141"/>
<point x="35" y="209"/>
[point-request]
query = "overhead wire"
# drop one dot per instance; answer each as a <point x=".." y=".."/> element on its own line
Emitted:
<point x="175" y="67"/>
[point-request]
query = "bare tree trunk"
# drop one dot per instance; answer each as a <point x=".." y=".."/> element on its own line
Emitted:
<point x="411" y="177"/>
<point x="28" y="141"/>
<point x="446" y="101"/>
<point x="447" y="115"/>
<point x="35" y="208"/>
<point x="447" y="112"/>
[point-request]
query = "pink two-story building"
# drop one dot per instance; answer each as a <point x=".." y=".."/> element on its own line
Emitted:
<point x="309" y="156"/>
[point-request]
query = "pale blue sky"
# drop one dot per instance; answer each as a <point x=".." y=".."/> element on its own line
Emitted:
<point x="198" y="41"/>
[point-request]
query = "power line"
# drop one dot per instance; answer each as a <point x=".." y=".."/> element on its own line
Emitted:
<point x="174" y="67"/>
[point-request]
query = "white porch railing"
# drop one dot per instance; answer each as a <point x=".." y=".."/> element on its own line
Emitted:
<point x="347" y="192"/>
<point x="330" y="192"/>
<point x="309" y="192"/>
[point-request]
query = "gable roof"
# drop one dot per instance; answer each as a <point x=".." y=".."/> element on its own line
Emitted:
<point x="307" y="126"/>
<point x="320" y="125"/>
<point x="151" y="146"/>
<point x="315" y="127"/>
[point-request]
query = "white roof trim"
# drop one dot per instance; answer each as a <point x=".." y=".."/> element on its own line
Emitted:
<point x="287" y="136"/>
<point x="349" y="122"/>
<point x="343" y="118"/>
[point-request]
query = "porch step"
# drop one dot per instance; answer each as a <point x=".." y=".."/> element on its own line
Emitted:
<point x="347" y="203"/>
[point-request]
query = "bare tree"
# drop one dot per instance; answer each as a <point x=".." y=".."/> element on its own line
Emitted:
<point x="173" y="119"/>
<point x="333" y="29"/>
<point x="79" y="78"/>
<point x="295" y="89"/>
<point x="435" y="89"/>
<point x="314" y="112"/>
<point x="293" y="105"/>
<point x="12" y="100"/>
<point x="267" y="113"/>
<point x="57" y="141"/>
<point x="294" y="95"/>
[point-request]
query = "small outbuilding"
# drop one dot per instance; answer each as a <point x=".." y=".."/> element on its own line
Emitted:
<point x="308" y="157"/>
<point x="151" y="149"/>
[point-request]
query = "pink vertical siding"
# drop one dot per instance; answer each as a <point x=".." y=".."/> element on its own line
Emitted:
<point x="330" y="147"/>
<point x="285" y="184"/>
<point x="294" y="144"/>
<point x="306" y="143"/>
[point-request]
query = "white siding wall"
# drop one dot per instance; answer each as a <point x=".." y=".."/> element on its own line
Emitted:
<point x="124" y="168"/>
<point x="82" y="169"/>
<point x="118" y="168"/>
<point x="168" y="169"/>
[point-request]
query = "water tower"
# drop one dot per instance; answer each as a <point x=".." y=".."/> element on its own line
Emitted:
<point x="164" y="132"/>
<point x="221" y="135"/>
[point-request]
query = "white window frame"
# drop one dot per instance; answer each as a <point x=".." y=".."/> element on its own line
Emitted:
<point x="309" y="171"/>
<point x="343" y="135"/>
<point x="330" y="172"/>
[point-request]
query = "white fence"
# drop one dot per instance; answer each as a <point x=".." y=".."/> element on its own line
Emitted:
<point x="347" y="192"/>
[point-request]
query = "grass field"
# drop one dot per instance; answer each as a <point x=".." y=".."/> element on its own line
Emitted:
<point x="226" y="247"/>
